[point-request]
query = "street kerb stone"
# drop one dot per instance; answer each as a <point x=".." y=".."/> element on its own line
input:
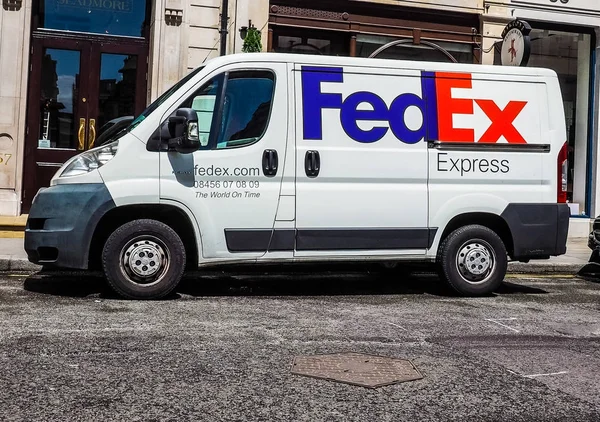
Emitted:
<point x="356" y="369"/>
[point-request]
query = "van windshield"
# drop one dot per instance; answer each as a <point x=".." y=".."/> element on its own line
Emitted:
<point x="162" y="99"/>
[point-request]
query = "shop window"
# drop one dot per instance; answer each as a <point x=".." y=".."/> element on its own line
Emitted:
<point x="568" y="54"/>
<point x="108" y="17"/>
<point x="301" y="45"/>
<point x="303" y="41"/>
<point x="367" y="44"/>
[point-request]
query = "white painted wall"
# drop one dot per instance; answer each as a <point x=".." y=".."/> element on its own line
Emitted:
<point x="575" y="12"/>
<point x="576" y="7"/>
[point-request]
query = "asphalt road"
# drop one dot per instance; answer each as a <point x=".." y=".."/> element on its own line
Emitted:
<point x="222" y="348"/>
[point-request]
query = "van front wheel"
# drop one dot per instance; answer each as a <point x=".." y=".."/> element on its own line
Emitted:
<point x="143" y="259"/>
<point x="473" y="260"/>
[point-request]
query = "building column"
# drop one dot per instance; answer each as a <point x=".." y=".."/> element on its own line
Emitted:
<point x="256" y="11"/>
<point x="595" y="209"/>
<point x="353" y="45"/>
<point x="493" y="23"/>
<point x="169" y="40"/>
<point x="15" y="31"/>
<point x="581" y="122"/>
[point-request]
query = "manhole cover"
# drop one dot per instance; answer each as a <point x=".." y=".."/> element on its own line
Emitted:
<point x="356" y="369"/>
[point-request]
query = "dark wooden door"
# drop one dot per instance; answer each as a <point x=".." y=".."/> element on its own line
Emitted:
<point x="76" y="86"/>
<point x="58" y="113"/>
<point x="118" y="86"/>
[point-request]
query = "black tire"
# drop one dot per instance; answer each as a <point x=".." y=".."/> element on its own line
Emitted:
<point x="463" y="257"/>
<point x="159" y="256"/>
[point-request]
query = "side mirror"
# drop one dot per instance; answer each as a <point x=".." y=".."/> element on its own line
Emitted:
<point x="183" y="131"/>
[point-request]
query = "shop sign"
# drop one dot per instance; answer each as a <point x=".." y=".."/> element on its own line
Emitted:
<point x="516" y="44"/>
<point x="581" y="6"/>
<point x="108" y="5"/>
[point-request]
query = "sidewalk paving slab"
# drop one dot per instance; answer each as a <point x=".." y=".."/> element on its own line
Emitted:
<point x="14" y="258"/>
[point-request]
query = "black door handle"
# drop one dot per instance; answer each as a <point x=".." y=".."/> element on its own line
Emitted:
<point x="270" y="162"/>
<point x="312" y="163"/>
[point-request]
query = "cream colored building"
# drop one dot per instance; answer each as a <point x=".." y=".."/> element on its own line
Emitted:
<point x="69" y="66"/>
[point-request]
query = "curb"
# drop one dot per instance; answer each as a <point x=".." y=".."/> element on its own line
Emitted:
<point x="543" y="268"/>
<point x="18" y="263"/>
<point x="13" y="227"/>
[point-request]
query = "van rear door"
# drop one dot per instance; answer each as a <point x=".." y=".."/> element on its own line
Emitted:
<point x="489" y="144"/>
<point x="361" y="163"/>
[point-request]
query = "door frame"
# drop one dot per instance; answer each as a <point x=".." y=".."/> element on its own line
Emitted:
<point x="92" y="46"/>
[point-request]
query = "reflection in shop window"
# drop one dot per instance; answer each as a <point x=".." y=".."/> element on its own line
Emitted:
<point x="367" y="44"/>
<point x="118" y="80"/>
<point x="299" y="41"/>
<point x="60" y="83"/>
<point x="299" y="45"/>
<point x="568" y="54"/>
<point x="109" y="17"/>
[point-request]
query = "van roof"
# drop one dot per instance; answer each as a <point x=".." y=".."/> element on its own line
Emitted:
<point x="381" y="63"/>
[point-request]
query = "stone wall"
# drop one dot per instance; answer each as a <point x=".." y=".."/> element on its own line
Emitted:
<point x="14" y="66"/>
<point x="177" y="49"/>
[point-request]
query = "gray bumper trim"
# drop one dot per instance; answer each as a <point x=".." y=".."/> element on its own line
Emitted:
<point x="61" y="224"/>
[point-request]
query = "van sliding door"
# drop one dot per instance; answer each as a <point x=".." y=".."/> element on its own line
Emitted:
<point x="361" y="162"/>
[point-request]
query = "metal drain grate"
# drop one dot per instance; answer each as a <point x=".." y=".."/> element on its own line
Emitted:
<point x="356" y="369"/>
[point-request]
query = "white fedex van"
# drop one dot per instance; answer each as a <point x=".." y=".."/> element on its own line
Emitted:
<point x="275" y="157"/>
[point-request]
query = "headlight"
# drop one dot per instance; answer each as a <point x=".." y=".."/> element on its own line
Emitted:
<point x="90" y="160"/>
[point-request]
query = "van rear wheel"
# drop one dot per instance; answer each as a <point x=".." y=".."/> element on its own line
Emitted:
<point x="473" y="260"/>
<point x="143" y="259"/>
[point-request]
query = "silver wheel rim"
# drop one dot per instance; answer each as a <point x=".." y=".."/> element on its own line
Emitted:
<point x="476" y="261"/>
<point x="145" y="260"/>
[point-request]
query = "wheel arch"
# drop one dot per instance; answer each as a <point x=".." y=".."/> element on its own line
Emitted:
<point x="171" y="215"/>
<point x="492" y="221"/>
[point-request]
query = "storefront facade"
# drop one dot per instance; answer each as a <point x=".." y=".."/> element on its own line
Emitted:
<point x="358" y="29"/>
<point x="69" y="66"/>
<point x="77" y="63"/>
<point x="564" y="38"/>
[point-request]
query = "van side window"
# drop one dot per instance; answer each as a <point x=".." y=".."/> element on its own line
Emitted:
<point x="233" y="108"/>
<point x="203" y="102"/>
<point x="246" y="108"/>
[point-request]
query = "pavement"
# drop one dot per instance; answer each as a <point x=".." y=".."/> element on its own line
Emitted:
<point x="14" y="258"/>
<point x="222" y="349"/>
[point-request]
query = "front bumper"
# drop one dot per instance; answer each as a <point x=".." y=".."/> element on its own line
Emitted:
<point x="594" y="242"/>
<point x="594" y="237"/>
<point x="62" y="221"/>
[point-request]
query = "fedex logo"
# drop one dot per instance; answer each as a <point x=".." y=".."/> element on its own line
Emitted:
<point x="436" y="104"/>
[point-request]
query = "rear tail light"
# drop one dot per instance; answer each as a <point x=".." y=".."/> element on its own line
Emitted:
<point x="562" y="175"/>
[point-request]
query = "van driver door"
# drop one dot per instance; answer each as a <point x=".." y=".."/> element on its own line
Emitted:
<point x="232" y="183"/>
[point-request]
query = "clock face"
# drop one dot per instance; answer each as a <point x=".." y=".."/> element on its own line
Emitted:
<point x="513" y="48"/>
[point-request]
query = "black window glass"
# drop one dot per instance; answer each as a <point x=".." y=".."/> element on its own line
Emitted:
<point x="109" y="17"/>
<point x="246" y="108"/>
